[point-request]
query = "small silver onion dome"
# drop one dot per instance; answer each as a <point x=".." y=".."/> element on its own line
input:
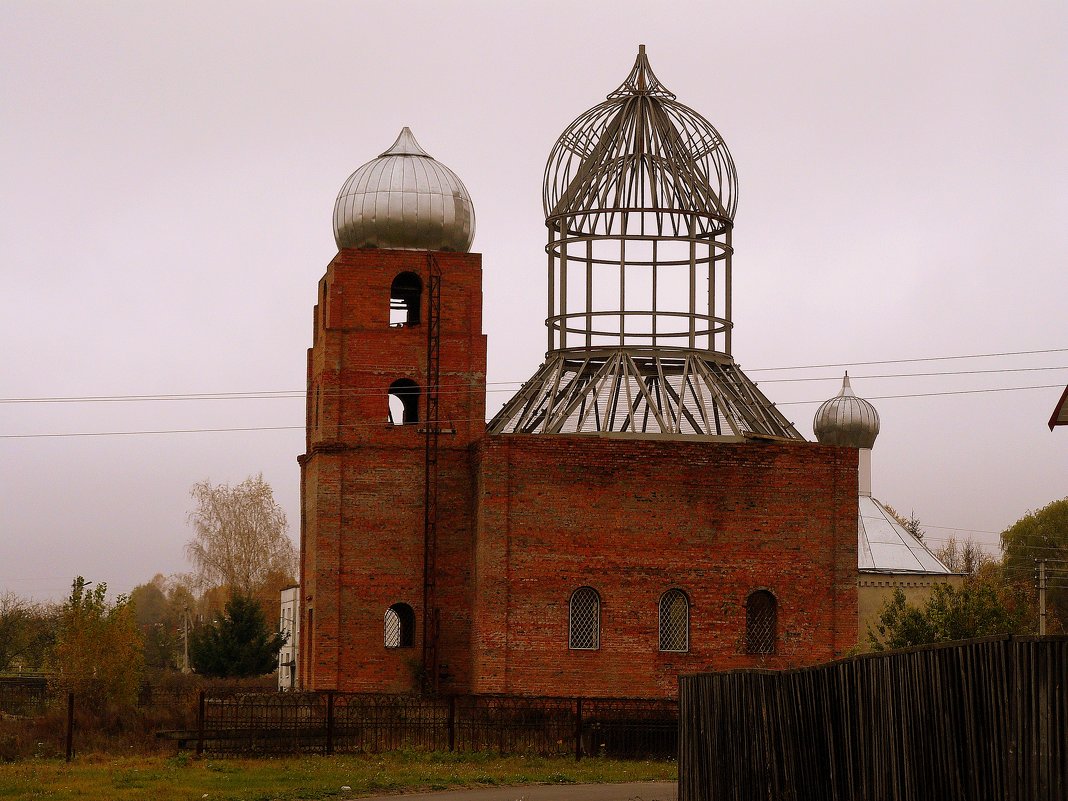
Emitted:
<point x="404" y="199"/>
<point x="846" y="420"/>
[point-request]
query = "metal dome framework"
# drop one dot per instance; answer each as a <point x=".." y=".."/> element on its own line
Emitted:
<point x="639" y="199"/>
<point x="639" y="196"/>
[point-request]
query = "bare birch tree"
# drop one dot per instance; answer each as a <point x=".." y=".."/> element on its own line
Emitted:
<point x="239" y="536"/>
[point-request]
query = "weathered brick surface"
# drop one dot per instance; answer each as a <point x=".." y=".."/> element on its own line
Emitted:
<point x="363" y="478"/>
<point x="525" y="520"/>
<point x="635" y="518"/>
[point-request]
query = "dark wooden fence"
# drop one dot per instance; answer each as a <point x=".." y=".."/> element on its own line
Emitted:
<point x="983" y="719"/>
<point x="328" y="722"/>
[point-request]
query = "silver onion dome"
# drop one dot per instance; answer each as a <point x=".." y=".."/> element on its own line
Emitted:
<point x="406" y="200"/>
<point x="846" y="420"/>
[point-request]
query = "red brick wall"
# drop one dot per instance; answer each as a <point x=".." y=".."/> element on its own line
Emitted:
<point x="526" y="520"/>
<point x="635" y="518"/>
<point x="363" y="478"/>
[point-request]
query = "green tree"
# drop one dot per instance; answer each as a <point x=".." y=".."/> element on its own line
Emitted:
<point x="981" y="607"/>
<point x="98" y="652"/>
<point x="1042" y="534"/>
<point x="911" y="524"/>
<point x="239" y="644"/>
<point x="27" y="633"/>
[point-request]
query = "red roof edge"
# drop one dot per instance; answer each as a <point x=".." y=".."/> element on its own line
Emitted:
<point x="1053" y="421"/>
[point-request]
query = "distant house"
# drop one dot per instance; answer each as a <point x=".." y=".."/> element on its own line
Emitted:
<point x="289" y="624"/>
<point x="1060" y="411"/>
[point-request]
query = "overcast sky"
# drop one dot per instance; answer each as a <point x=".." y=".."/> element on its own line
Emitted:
<point x="169" y="173"/>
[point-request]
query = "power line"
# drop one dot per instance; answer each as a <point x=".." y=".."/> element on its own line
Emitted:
<point x="458" y="420"/>
<point x="913" y="361"/>
<point x="293" y="393"/>
<point x="919" y="375"/>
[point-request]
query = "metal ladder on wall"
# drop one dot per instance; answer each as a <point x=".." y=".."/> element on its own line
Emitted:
<point x="431" y="612"/>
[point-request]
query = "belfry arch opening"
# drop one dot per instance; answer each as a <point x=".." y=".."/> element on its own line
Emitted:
<point x="405" y="299"/>
<point x="403" y="402"/>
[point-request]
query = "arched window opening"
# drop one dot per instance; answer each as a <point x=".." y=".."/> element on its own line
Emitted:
<point x="584" y="629"/>
<point x="403" y="402"/>
<point x="399" y="626"/>
<point x="761" y="622"/>
<point x="674" y="621"/>
<point x="404" y="300"/>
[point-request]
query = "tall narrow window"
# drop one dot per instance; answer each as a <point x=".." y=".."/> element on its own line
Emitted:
<point x="761" y="622"/>
<point x="584" y="630"/>
<point x="674" y="621"/>
<point x="403" y="402"/>
<point x="398" y="630"/>
<point x="404" y="300"/>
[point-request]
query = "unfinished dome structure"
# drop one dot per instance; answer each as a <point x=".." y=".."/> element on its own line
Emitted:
<point x="639" y="196"/>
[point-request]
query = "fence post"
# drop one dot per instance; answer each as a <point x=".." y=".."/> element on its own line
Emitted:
<point x="452" y="722"/>
<point x="70" y="726"/>
<point x="329" y="722"/>
<point x="578" y="729"/>
<point x="200" y="723"/>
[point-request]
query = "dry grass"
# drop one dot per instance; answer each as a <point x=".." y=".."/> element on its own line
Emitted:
<point x="301" y="778"/>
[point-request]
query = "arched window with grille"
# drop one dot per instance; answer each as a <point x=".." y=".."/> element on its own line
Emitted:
<point x="674" y="621"/>
<point x="761" y="622"/>
<point x="584" y="628"/>
<point x="399" y="626"/>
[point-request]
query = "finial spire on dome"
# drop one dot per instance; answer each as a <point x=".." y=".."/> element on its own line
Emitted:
<point x="847" y="389"/>
<point x="642" y="80"/>
<point x="405" y="145"/>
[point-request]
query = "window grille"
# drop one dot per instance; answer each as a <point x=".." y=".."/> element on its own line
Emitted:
<point x="761" y="623"/>
<point x="674" y="621"/>
<point x="399" y="627"/>
<point x="585" y="620"/>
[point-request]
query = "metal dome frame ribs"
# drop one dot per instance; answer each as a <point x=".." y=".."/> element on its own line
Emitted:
<point x="639" y="197"/>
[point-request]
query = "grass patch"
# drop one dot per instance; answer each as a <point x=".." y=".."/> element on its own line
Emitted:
<point x="302" y="778"/>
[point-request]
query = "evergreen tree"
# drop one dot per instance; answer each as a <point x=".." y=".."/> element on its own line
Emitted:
<point x="981" y="607"/>
<point x="238" y="645"/>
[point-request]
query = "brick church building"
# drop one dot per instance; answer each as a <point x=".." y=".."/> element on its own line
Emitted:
<point x="638" y="510"/>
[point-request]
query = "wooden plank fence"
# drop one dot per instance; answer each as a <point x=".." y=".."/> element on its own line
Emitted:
<point x="982" y="719"/>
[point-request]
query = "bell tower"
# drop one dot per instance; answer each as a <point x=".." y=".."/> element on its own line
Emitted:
<point x="396" y="398"/>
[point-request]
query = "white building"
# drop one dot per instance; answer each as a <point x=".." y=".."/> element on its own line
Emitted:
<point x="289" y="624"/>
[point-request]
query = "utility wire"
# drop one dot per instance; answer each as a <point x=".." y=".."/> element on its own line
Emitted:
<point x="468" y="388"/>
<point x="913" y="361"/>
<point x="460" y="420"/>
<point x="506" y="384"/>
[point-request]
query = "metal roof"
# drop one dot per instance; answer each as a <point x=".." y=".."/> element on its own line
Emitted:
<point x="847" y="420"/>
<point x="884" y="546"/>
<point x="404" y="199"/>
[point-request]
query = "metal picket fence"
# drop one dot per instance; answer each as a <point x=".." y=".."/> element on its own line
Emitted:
<point x="334" y="722"/>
